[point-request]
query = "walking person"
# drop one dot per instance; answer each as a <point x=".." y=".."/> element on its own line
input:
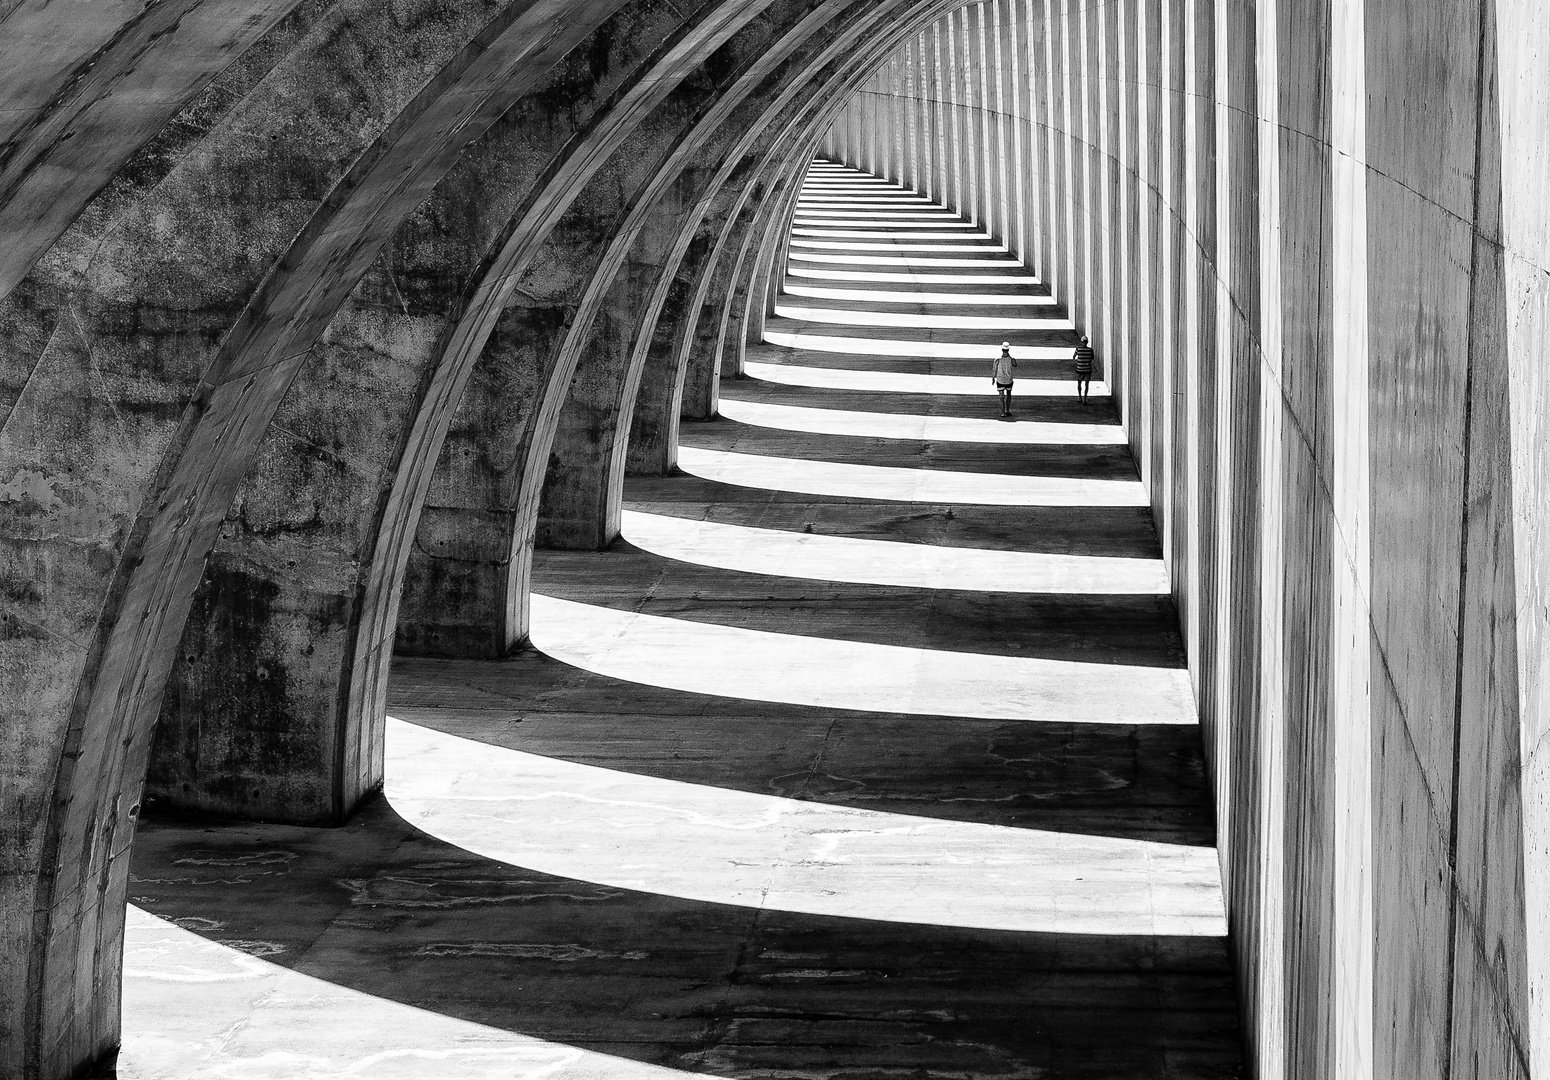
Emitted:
<point x="1001" y="375"/>
<point x="1084" y="369"/>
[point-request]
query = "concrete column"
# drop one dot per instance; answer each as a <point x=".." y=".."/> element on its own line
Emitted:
<point x="1351" y="573"/>
<point x="1293" y="241"/>
<point x="1132" y="53"/>
<point x="1200" y="343"/>
<point x="1105" y="123"/>
<point x="135" y="428"/>
<point x="268" y="689"/>
<point x="1523" y="115"/>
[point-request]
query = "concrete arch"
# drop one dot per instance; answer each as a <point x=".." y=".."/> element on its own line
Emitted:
<point x="263" y="311"/>
<point x="614" y="321"/>
<point x="683" y="362"/>
<point x="581" y="500"/>
<point x="153" y="498"/>
<point x="487" y="569"/>
<point x="85" y="97"/>
<point x="308" y="671"/>
<point x="526" y="346"/>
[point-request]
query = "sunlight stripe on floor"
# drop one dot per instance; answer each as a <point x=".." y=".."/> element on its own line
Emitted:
<point x="887" y="482"/>
<point x="921" y="320"/>
<point x="953" y="429"/>
<point x="833" y="673"/>
<point x="929" y="350"/>
<point x="820" y="557"/>
<point x="904" y="382"/>
<point x="723" y="846"/>
<point x="886" y="296"/>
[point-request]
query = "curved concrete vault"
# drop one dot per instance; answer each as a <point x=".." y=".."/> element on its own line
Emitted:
<point x="259" y="259"/>
<point x="315" y="317"/>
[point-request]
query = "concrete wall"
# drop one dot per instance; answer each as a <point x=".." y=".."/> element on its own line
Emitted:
<point x="1311" y="244"/>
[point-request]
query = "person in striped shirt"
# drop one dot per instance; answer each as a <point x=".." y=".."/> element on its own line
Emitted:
<point x="1084" y="369"/>
<point x="1001" y="376"/>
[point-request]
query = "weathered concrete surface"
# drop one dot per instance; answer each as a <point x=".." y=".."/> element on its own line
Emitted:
<point x="1285" y="225"/>
<point x="165" y="327"/>
<point x="1523" y="88"/>
<point x="260" y="712"/>
<point x="579" y="501"/>
<point x="84" y="93"/>
<point x="503" y="475"/>
<point x="474" y="538"/>
<point x="675" y="360"/>
<point x="127" y="323"/>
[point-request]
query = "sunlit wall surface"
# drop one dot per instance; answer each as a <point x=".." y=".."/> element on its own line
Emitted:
<point x="1309" y="244"/>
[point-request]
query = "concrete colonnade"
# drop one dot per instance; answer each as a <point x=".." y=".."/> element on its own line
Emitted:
<point x="277" y="278"/>
<point x="1310" y="244"/>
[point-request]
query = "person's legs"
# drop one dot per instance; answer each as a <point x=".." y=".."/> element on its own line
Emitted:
<point x="1006" y="399"/>
<point x="1082" y="383"/>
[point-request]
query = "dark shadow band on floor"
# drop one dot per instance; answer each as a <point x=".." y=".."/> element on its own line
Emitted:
<point x="968" y="367"/>
<point x="864" y="336"/>
<point x="1116" y="531"/>
<point x="1129" y="629"/>
<point x="1029" y="405"/>
<point x="710" y="989"/>
<point x="1142" y="781"/>
<point x="1078" y="462"/>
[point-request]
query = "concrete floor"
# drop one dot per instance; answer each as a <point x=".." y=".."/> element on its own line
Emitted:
<point x="867" y="753"/>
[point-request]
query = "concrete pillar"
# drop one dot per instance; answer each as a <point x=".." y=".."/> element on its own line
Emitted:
<point x="1306" y="240"/>
<point x="271" y="711"/>
<point x="140" y="414"/>
<point x="475" y="542"/>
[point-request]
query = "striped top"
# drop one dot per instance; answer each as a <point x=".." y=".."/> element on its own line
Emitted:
<point x="1084" y="360"/>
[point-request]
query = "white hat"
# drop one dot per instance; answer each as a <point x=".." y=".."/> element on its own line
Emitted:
<point x="1006" y="344"/>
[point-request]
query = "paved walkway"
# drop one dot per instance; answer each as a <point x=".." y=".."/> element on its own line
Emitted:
<point x="867" y="753"/>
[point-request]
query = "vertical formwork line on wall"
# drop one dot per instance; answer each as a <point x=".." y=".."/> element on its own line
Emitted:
<point x="1270" y="997"/>
<point x="1190" y="611"/>
<point x="1162" y="494"/>
<point x="1007" y="154"/>
<point x="1223" y="765"/>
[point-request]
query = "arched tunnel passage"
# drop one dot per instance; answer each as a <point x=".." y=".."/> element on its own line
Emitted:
<point x="319" y="319"/>
<point x="874" y="684"/>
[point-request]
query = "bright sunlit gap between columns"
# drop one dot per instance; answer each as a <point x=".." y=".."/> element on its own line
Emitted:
<point x="1005" y="277"/>
<point x="820" y="557"/>
<point x="874" y="233"/>
<point x="886" y="296"/>
<point x="850" y="317"/>
<point x="843" y="480"/>
<point x="721" y="846"/>
<point x="886" y="260"/>
<point x="258" y="1020"/>
<point x="903" y="382"/>
<point x="954" y="429"/>
<point x="898" y="347"/>
<point x="860" y="245"/>
<point x="834" y="673"/>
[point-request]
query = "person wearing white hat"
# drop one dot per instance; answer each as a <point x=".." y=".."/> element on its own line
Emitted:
<point x="1001" y="376"/>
